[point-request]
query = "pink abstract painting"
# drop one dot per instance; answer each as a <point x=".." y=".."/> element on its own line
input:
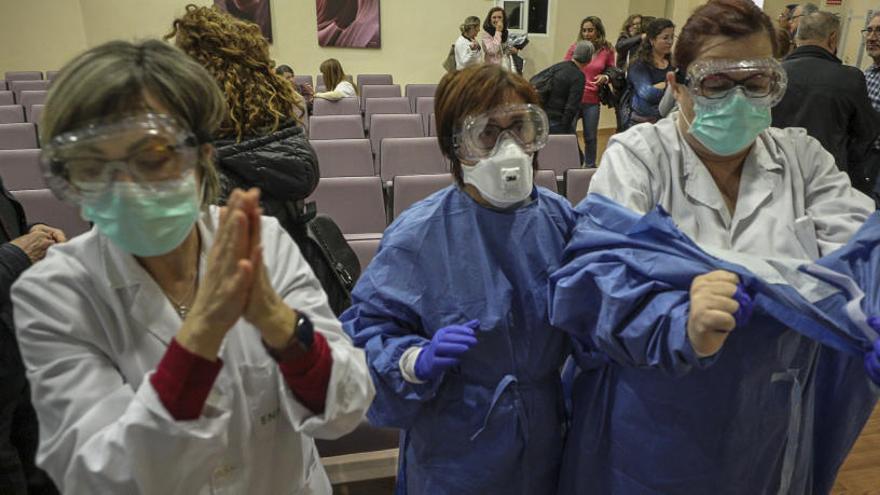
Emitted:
<point x="348" y="23"/>
<point x="256" y="11"/>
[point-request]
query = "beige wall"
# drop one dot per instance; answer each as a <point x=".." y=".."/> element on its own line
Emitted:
<point x="656" y="8"/>
<point x="416" y="34"/>
<point x="40" y="34"/>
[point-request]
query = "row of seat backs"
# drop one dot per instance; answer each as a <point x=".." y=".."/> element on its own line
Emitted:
<point x="24" y="97"/>
<point x="371" y="105"/>
<point x="28" y="75"/>
<point x="400" y="149"/>
<point x="399" y="156"/>
<point x="17" y="87"/>
<point x="358" y="205"/>
<point x="383" y="125"/>
<point x="18" y="114"/>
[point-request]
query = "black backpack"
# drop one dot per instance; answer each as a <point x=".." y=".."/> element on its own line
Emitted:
<point x="323" y="246"/>
<point x="543" y="82"/>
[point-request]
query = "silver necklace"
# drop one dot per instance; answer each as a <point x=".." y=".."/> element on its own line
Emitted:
<point x="183" y="307"/>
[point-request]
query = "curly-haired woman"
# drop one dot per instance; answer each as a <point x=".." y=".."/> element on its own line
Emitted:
<point x="260" y="142"/>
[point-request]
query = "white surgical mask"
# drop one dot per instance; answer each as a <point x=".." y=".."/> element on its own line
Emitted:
<point x="505" y="178"/>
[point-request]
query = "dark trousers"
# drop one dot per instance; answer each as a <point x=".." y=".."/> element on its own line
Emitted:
<point x="19" y="435"/>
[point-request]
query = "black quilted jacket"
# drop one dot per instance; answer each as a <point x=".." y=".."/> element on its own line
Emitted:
<point x="282" y="164"/>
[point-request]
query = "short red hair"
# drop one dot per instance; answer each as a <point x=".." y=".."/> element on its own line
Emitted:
<point x="731" y="18"/>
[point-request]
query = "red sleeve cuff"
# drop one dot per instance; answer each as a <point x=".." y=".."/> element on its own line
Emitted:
<point x="309" y="375"/>
<point x="183" y="381"/>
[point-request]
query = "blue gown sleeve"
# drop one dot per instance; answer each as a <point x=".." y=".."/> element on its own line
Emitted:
<point x="609" y="308"/>
<point x="384" y="321"/>
<point x="640" y="78"/>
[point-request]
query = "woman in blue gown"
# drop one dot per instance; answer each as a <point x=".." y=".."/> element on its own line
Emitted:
<point x="452" y="311"/>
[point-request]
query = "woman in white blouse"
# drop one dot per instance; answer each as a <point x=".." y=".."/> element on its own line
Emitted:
<point x="334" y="77"/>
<point x="467" y="49"/>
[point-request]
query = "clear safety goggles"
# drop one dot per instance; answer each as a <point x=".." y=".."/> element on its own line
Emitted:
<point x="478" y="135"/>
<point x="151" y="150"/>
<point x="762" y="80"/>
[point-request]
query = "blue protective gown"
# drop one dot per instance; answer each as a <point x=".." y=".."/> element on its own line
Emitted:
<point x="845" y="398"/>
<point x="649" y="416"/>
<point x="495" y="423"/>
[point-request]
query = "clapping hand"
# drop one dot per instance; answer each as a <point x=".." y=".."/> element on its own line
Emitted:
<point x="224" y="290"/>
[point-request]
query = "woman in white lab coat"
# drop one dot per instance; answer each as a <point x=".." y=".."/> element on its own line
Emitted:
<point x="690" y="402"/>
<point x="176" y="347"/>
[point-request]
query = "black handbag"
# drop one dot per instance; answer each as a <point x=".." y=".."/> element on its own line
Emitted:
<point x="322" y="244"/>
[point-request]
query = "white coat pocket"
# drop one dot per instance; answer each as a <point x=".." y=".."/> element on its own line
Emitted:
<point x="261" y="393"/>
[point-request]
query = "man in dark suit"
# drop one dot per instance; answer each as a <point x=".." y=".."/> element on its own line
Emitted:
<point x="827" y="98"/>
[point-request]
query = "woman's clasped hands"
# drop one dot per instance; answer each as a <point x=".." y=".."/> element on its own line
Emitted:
<point x="236" y="284"/>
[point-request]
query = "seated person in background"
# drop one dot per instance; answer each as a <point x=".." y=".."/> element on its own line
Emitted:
<point x="305" y="90"/>
<point x="647" y="74"/>
<point x="452" y="311"/>
<point x="176" y="347"/>
<point x="334" y="77"/>
<point x="21" y="247"/>
<point x="566" y="83"/>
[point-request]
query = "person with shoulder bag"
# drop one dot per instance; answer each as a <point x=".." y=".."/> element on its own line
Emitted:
<point x="268" y="148"/>
<point x="466" y="51"/>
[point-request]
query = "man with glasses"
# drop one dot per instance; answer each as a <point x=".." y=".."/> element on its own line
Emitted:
<point x="871" y="34"/>
<point x="797" y="14"/>
<point x="827" y="98"/>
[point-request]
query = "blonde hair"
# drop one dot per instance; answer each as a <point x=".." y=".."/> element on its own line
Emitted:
<point x="113" y="79"/>
<point x="469" y="22"/>
<point x="237" y="55"/>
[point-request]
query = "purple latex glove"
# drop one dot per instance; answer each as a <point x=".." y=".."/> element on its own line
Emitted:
<point x="746" y="305"/>
<point x="872" y="358"/>
<point x="445" y="350"/>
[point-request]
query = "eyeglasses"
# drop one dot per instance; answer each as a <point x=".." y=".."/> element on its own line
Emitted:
<point x="762" y="80"/>
<point x="867" y="32"/>
<point x="157" y="151"/>
<point x="478" y="135"/>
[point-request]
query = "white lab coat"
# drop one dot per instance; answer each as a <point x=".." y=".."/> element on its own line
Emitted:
<point x="464" y="56"/>
<point x="93" y="325"/>
<point x="793" y="201"/>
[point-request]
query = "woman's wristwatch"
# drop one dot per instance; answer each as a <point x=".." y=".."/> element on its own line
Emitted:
<point x="300" y="342"/>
